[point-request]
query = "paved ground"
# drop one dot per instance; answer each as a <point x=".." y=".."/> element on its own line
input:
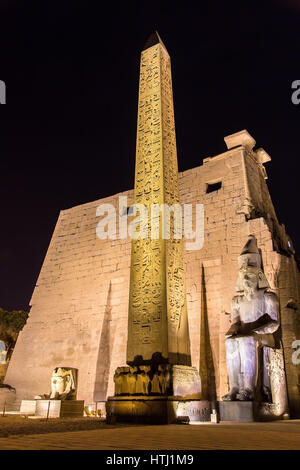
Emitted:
<point x="279" y="435"/>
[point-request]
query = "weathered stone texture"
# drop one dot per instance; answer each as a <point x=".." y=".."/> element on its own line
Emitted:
<point x="80" y="304"/>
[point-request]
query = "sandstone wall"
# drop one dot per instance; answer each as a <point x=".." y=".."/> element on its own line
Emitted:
<point x="80" y="304"/>
<point x="280" y="268"/>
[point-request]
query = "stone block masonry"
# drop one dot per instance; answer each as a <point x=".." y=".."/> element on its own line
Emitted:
<point x="79" y="311"/>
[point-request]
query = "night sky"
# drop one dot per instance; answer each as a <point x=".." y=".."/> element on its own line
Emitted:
<point x="67" y="133"/>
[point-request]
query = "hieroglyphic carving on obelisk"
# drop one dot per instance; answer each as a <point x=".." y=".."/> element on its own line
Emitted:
<point x="157" y="321"/>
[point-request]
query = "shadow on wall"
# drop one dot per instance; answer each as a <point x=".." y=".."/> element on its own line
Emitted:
<point x="206" y="366"/>
<point x="104" y="352"/>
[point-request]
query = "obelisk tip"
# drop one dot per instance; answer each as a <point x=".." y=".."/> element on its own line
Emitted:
<point x="152" y="40"/>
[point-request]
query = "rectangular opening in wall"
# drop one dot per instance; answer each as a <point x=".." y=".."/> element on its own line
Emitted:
<point x="211" y="187"/>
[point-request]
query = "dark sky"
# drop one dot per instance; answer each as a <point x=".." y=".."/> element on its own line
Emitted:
<point x="67" y="133"/>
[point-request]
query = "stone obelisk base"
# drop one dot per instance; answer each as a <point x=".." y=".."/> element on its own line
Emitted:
<point x="156" y="410"/>
<point x="182" y="395"/>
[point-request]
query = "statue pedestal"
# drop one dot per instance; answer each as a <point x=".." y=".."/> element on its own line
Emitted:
<point x="249" y="411"/>
<point x="7" y="396"/>
<point x="53" y="408"/>
<point x="156" y="409"/>
<point x="237" y="410"/>
<point x="28" y="407"/>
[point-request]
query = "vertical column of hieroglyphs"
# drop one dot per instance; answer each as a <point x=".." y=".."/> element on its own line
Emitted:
<point x="157" y="294"/>
<point x="147" y="300"/>
<point x="178" y="335"/>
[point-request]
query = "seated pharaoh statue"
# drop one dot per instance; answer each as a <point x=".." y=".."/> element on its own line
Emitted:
<point x="63" y="385"/>
<point x="254" y="333"/>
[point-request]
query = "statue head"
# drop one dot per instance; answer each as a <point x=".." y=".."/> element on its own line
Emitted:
<point x="64" y="382"/>
<point x="251" y="276"/>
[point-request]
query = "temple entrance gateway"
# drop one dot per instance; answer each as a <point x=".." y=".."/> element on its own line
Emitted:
<point x="145" y="321"/>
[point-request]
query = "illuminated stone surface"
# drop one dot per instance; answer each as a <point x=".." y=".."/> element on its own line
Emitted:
<point x="52" y="408"/>
<point x="63" y="385"/>
<point x="157" y="321"/>
<point x="79" y="313"/>
<point x="158" y="344"/>
<point x="254" y="353"/>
